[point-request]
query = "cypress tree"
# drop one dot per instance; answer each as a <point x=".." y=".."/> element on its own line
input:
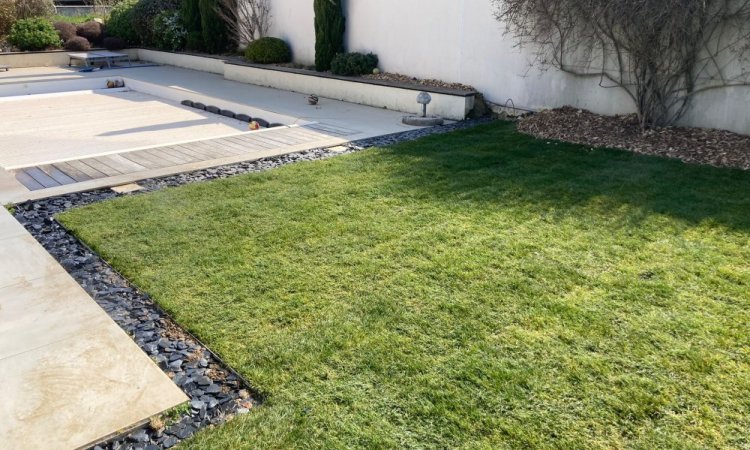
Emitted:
<point x="330" y="24"/>
<point x="213" y="28"/>
<point x="191" y="16"/>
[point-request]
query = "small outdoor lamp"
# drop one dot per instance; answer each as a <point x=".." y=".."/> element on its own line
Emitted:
<point x="424" y="99"/>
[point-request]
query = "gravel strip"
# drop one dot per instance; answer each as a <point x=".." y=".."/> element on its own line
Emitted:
<point x="713" y="147"/>
<point x="216" y="392"/>
<point x="428" y="82"/>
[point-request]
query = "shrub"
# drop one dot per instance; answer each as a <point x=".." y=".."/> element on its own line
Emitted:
<point x="354" y="63"/>
<point x="90" y="30"/>
<point x="329" y="32"/>
<point x="268" y="50"/>
<point x="27" y="9"/>
<point x="7" y="16"/>
<point x="144" y="14"/>
<point x="113" y="43"/>
<point x="169" y="32"/>
<point x="194" y="41"/>
<point x="190" y="14"/>
<point x="214" y="30"/>
<point x="65" y="30"/>
<point x="120" y="22"/>
<point x="33" y="34"/>
<point x="78" y="44"/>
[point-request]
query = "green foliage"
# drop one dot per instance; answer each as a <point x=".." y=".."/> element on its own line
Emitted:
<point x="78" y="44"/>
<point x="213" y="28"/>
<point x="330" y="25"/>
<point x="474" y="290"/>
<point x="120" y="22"/>
<point x="65" y="30"/>
<point x="350" y="64"/>
<point x="194" y="41"/>
<point x="190" y="14"/>
<point x="144" y="14"/>
<point x="268" y="50"/>
<point x="114" y="43"/>
<point x="169" y="32"/>
<point x="7" y="16"/>
<point x="34" y="34"/>
<point x="27" y="9"/>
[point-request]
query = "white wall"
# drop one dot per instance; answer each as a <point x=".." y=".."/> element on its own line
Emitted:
<point x="460" y="41"/>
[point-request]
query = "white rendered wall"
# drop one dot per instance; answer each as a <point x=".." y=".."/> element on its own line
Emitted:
<point x="460" y="41"/>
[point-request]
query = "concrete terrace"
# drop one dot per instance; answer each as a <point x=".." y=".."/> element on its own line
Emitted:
<point x="72" y="376"/>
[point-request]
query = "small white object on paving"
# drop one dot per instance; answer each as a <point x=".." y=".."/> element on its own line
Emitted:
<point x="70" y="375"/>
<point x="127" y="188"/>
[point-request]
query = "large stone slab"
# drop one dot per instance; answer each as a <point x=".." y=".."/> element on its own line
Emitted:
<point x="70" y="375"/>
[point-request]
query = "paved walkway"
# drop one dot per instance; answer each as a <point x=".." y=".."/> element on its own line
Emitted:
<point x="70" y="375"/>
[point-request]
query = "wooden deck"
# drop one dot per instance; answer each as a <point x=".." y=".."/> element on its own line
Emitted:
<point x="245" y="146"/>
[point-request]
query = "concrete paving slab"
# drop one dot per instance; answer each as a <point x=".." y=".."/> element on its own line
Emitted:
<point x="70" y="375"/>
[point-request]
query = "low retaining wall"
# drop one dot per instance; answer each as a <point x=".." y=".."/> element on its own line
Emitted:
<point x="185" y="60"/>
<point x="18" y="60"/>
<point x="447" y="103"/>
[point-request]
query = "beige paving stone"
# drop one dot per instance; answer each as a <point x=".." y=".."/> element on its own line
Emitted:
<point x="69" y="393"/>
<point x="70" y="376"/>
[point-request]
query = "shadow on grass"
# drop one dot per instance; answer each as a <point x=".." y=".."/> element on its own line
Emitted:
<point x="494" y="163"/>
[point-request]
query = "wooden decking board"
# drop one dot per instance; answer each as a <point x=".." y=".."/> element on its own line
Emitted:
<point x="144" y="160"/>
<point x="184" y="159"/>
<point x="206" y="147"/>
<point x="102" y="166"/>
<point x="331" y="129"/>
<point x="124" y="165"/>
<point x="29" y="182"/>
<point x="188" y="150"/>
<point x="87" y="169"/>
<point x="306" y="134"/>
<point x="280" y="139"/>
<point x="247" y="143"/>
<point x="234" y="146"/>
<point x="261" y="137"/>
<point x="187" y="155"/>
<point x="260" y="143"/>
<point x="57" y="174"/>
<point x="72" y="172"/>
<point x="160" y="154"/>
<point x="41" y="177"/>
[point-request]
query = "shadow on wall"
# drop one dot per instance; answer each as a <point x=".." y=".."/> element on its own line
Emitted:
<point x="495" y="164"/>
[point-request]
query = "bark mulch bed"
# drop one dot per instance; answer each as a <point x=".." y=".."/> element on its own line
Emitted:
<point x="691" y="145"/>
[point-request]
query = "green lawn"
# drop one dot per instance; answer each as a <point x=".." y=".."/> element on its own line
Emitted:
<point x="481" y="289"/>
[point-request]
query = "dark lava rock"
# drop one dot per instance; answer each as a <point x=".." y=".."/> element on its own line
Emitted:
<point x="261" y="122"/>
<point x="212" y="109"/>
<point x="276" y="125"/>
<point x="187" y="103"/>
<point x="243" y="117"/>
<point x="227" y="113"/>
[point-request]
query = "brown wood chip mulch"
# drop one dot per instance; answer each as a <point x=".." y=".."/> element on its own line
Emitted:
<point x="692" y="145"/>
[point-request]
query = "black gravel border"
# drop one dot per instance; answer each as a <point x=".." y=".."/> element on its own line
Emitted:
<point x="216" y="392"/>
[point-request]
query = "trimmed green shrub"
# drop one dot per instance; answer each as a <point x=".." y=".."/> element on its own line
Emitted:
<point x="351" y="64"/>
<point x="330" y="25"/>
<point x="27" y="9"/>
<point x="213" y="28"/>
<point x="114" y="43"/>
<point x="65" y="30"/>
<point x="120" y="22"/>
<point x="144" y="13"/>
<point x="33" y="34"/>
<point x="268" y="50"/>
<point x="169" y="33"/>
<point x="7" y="16"/>
<point x="78" y="44"/>
<point x="92" y="31"/>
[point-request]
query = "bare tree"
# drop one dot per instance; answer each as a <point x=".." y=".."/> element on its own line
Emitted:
<point x="661" y="52"/>
<point x="247" y="20"/>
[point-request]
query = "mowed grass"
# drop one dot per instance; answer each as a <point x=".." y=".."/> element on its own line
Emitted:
<point x="481" y="289"/>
